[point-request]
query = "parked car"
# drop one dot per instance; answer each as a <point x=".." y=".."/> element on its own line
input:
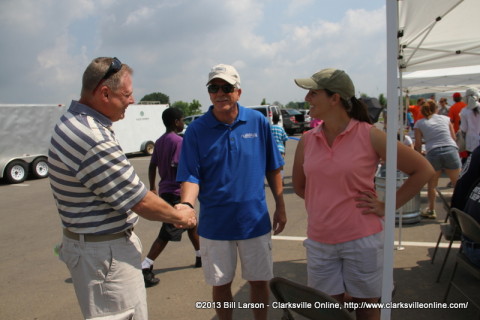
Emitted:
<point x="187" y="120"/>
<point x="306" y="114"/>
<point x="268" y="111"/>
<point x="293" y="121"/>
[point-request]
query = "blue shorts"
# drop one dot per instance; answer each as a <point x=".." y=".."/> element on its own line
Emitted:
<point x="444" y="158"/>
<point x="472" y="251"/>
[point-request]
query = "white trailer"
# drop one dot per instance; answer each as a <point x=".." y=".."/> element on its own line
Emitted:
<point x="25" y="131"/>
<point x="140" y="128"/>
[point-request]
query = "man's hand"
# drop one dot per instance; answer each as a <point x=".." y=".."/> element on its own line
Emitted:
<point x="188" y="216"/>
<point x="279" y="220"/>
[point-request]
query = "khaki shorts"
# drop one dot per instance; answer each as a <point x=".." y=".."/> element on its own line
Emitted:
<point x="107" y="277"/>
<point x="219" y="259"/>
<point x="355" y="267"/>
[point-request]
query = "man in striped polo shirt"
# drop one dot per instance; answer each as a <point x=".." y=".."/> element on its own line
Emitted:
<point x="98" y="196"/>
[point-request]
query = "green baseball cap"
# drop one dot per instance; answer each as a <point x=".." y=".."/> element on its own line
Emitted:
<point x="330" y="79"/>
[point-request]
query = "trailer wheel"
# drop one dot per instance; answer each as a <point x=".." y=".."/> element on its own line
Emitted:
<point x="148" y="149"/>
<point x="16" y="171"/>
<point x="40" y="168"/>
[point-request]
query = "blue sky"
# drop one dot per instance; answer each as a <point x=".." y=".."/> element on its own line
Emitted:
<point x="171" y="45"/>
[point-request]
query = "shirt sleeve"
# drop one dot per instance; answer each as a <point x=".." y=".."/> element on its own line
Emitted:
<point x="107" y="172"/>
<point x="285" y="137"/>
<point x="189" y="164"/>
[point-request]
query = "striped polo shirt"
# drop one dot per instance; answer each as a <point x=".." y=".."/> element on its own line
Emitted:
<point x="280" y="137"/>
<point x="93" y="183"/>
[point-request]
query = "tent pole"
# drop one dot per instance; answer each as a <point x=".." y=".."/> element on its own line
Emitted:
<point x="391" y="172"/>
<point x="401" y="134"/>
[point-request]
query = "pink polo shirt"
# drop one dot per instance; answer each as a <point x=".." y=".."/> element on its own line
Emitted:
<point x="334" y="177"/>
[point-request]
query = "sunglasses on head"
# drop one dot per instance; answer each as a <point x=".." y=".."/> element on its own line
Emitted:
<point x="115" y="66"/>
<point x="226" y="88"/>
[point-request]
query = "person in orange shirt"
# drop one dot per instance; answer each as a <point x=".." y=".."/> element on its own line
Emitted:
<point x="415" y="109"/>
<point x="454" y="112"/>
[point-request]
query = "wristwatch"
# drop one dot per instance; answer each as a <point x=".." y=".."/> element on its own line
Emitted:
<point x="187" y="204"/>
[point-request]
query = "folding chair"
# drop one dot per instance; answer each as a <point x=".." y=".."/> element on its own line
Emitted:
<point x="306" y="301"/>
<point x="470" y="228"/>
<point x="447" y="230"/>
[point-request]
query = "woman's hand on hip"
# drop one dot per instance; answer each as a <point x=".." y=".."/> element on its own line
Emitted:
<point x="370" y="204"/>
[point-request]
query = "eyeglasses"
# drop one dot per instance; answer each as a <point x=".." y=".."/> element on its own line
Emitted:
<point x="115" y="66"/>
<point x="226" y="88"/>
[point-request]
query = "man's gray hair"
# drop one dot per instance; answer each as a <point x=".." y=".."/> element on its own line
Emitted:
<point x="96" y="70"/>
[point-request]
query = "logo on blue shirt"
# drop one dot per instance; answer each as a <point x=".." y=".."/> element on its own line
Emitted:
<point x="249" y="135"/>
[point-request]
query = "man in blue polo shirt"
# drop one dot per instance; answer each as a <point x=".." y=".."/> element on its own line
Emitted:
<point x="226" y="155"/>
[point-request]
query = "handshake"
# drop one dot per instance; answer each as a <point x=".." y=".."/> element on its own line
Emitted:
<point x="188" y="215"/>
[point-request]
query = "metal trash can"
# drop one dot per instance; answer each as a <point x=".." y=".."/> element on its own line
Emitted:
<point x="411" y="209"/>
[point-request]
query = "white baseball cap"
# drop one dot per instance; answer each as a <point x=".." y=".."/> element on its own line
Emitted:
<point x="225" y="72"/>
<point x="471" y="97"/>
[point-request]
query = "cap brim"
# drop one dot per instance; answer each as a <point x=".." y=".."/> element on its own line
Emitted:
<point x="230" y="80"/>
<point x="308" y="84"/>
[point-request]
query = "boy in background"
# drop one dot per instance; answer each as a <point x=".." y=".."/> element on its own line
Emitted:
<point x="165" y="158"/>
<point x="280" y="137"/>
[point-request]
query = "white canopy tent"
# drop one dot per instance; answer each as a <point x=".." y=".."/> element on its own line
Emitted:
<point x="421" y="35"/>
<point x="441" y="80"/>
<point x="435" y="34"/>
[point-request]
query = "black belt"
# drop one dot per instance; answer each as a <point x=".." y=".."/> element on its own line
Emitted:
<point x="97" y="238"/>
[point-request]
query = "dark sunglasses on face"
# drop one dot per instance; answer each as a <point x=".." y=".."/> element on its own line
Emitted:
<point x="226" y="88"/>
<point x="115" y="66"/>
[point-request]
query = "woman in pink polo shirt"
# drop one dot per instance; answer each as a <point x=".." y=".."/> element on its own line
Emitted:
<point x="334" y="172"/>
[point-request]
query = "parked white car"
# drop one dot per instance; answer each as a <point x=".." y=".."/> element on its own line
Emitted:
<point x="268" y="111"/>
<point x="187" y="120"/>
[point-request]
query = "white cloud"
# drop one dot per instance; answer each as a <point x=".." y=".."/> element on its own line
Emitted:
<point x="296" y="5"/>
<point x="59" y="64"/>
<point x="171" y="45"/>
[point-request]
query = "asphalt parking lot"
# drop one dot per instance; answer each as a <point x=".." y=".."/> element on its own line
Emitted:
<point x="36" y="285"/>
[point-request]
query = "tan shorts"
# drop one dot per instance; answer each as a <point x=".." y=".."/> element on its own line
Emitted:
<point x="355" y="267"/>
<point x="107" y="277"/>
<point x="219" y="259"/>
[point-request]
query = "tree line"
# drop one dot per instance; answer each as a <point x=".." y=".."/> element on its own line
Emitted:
<point x="188" y="109"/>
<point x="195" y="107"/>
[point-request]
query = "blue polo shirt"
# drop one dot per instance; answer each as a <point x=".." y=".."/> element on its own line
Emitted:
<point x="229" y="163"/>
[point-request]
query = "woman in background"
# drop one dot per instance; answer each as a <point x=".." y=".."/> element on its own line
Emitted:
<point x="442" y="151"/>
<point x="443" y="109"/>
